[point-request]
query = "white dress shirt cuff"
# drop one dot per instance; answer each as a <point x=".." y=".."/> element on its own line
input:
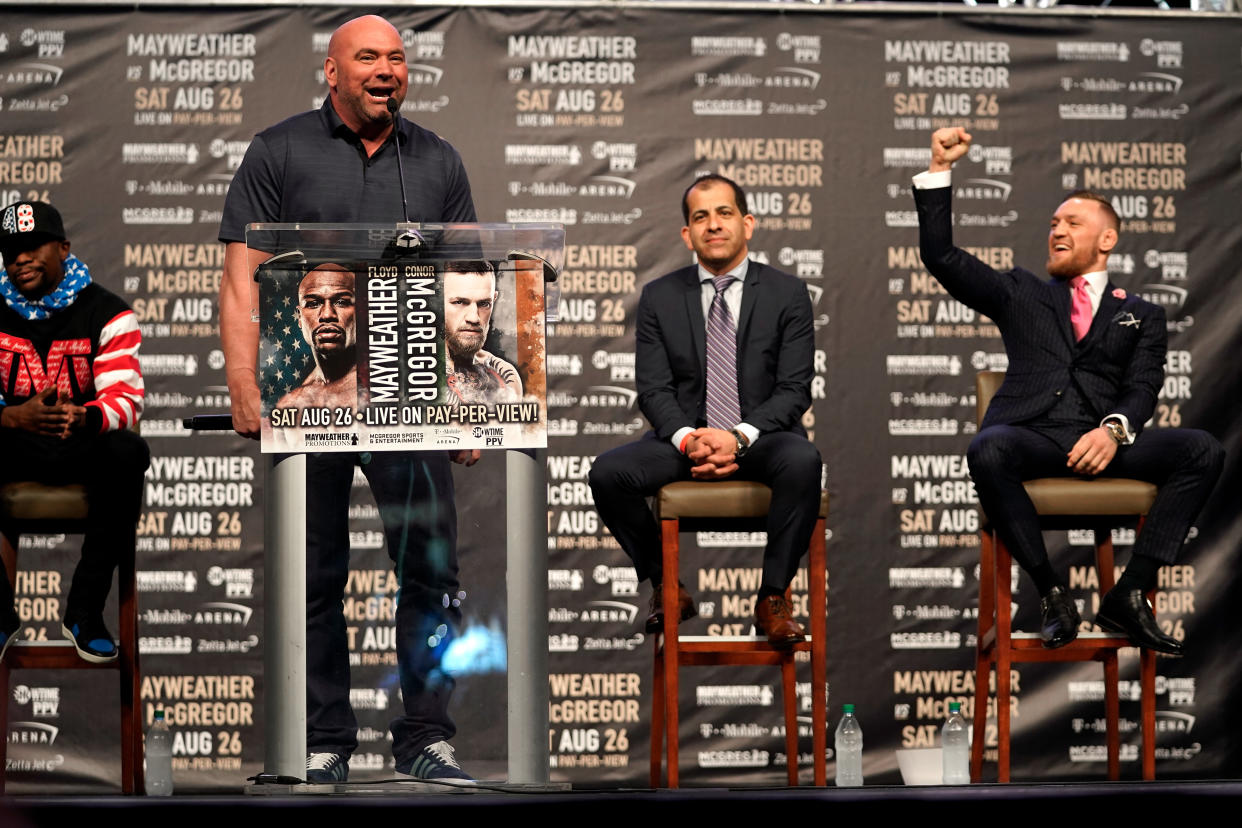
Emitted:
<point x="928" y="180"/>
<point x="749" y="432"/>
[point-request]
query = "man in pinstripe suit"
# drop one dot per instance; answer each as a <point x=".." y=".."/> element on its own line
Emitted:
<point x="1086" y="361"/>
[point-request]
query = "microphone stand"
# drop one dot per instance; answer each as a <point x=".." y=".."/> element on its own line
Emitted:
<point x="407" y="239"/>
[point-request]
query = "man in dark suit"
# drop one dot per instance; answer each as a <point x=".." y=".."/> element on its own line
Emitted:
<point x="724" y="398"/>
<point x="1086" y="361"/>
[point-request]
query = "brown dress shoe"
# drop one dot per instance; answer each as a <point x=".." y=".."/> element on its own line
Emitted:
<point x="655" y="621"/>
<point x="774" y="617"/>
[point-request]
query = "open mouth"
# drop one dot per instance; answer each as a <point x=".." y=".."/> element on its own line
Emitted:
<point x="380" y="94"/>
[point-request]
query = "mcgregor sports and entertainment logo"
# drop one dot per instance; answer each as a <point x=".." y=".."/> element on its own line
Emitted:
<point x="727" y="106"/>
<point x="937" y="640"/>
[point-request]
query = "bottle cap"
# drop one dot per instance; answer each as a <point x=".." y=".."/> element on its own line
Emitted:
<point x="159" y="715"/>
<point x="955" y="707"/>
<point x="847" y="708"/>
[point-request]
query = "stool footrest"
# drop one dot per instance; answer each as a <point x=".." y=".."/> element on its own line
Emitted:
<point x="59" y="655"/>
<point x="729" y="641"/>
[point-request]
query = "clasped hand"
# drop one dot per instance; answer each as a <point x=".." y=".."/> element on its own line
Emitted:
<point x="713" y="452"/>
<point x="50" y="412"/>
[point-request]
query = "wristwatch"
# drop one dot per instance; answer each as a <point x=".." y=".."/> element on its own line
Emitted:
<point x="1116" y="430"/>
<point x="743" y="445"/>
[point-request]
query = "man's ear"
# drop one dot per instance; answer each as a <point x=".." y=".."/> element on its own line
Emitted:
<point x="1108" y="240"/>
<point x="685" y="237"/>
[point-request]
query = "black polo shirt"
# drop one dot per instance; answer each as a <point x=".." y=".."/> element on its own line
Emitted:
<point x="313" y="168"/>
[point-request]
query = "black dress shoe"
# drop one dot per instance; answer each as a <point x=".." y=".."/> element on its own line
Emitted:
<point x="1059" y="618"/>
<point x="1127" y="611"/>
<point x="655" y="621"/>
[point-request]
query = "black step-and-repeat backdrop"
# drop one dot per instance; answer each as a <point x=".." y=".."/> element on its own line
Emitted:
<point x="133" y="122"/>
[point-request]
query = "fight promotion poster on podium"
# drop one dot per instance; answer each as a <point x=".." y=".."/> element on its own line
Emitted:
<point x="413" y="337"/>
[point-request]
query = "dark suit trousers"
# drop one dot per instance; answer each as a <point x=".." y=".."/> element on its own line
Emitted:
<point x="414" y="493"/>
<point x="1184" y="463"/>
<point x="623" y="478"/>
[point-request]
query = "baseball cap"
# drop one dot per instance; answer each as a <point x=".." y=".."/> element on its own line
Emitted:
<point x="27" y="224"/>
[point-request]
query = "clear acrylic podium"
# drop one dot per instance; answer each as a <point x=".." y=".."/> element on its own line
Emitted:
<point x="404" y="401"/>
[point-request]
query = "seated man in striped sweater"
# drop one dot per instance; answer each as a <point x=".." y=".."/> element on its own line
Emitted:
<point x="70" y="389"/>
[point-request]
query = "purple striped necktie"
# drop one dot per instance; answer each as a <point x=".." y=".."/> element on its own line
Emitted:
<point x="723" y="409"/>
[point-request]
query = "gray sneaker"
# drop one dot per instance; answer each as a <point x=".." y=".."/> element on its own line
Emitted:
<point x="437" y="763"/>
<point x="326" y="767"/>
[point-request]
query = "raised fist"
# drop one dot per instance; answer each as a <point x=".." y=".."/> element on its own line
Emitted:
<point x="948" y="145"/>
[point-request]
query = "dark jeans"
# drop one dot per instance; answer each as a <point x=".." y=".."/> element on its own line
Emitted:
<point x="414" y="493"/>
<point x="1183" y="462"/>
<point x="111" y="466"/>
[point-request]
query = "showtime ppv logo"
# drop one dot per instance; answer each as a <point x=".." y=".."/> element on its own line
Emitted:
<point x="50" y="42"/>
<point x="805" y="48"/>
<point x="621" y="157"/>
<point x="624" y="579"/>
<point x="237" y="583"/>
<point x="44" y="701"/>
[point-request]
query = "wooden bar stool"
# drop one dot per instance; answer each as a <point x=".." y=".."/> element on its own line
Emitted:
<point x="27" y="507"/>
<point x="1061" y="502"/>
<point x="693" y="506"/>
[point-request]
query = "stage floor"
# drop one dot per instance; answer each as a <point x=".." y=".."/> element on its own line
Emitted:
<point x="356" y="804"/>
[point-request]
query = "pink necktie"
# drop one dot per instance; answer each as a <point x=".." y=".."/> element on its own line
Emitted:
<point x="1080" y="310"/>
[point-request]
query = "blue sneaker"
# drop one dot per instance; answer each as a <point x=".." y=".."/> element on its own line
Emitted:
<point x="437" y="763"/>
<point x="91" y="639"/>
<point x="10" y="631"/>
<point x="326" y="767"/>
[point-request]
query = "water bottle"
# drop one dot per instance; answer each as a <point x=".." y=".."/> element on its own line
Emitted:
<point x="848" y="745"/>
<point x="159" y="780"/>
<point x="955" y="748"/>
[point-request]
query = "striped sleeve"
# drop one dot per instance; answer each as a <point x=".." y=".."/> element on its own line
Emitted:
<point x="117" y="375"/>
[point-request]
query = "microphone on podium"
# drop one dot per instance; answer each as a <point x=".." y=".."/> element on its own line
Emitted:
<point x="394" y="110"/>
<point x="407" y="239"/>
